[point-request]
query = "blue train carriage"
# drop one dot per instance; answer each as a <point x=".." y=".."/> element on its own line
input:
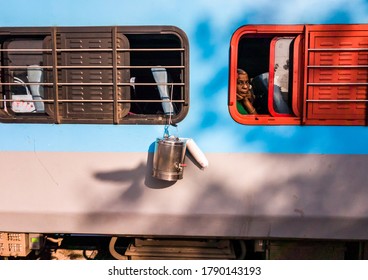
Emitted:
<point x="86" y="165"/>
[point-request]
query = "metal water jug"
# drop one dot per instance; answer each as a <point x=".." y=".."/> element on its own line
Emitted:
<point x="168" y="158"/>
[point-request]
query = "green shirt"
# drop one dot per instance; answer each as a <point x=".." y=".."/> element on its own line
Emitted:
<point x="241" y="108"/>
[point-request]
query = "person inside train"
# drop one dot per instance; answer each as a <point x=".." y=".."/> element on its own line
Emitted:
<point x="245" y="97"/>
<point x="252" y="96"/>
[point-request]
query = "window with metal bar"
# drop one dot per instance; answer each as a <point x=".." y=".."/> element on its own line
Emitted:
<point x="337" y="76"/>
<point x="302" y="74"/>
<point x="94" y="75"/>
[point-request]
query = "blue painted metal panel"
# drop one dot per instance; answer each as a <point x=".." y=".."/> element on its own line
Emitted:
<point x="139" y="138"/>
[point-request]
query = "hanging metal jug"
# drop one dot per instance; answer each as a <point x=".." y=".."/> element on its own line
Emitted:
<point x="168" y="158"/>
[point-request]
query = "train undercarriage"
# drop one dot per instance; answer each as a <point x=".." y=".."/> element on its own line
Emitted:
<point x="33" y="246"/>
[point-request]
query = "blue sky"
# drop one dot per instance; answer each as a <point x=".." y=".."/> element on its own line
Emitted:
<point x="185" y="14"/>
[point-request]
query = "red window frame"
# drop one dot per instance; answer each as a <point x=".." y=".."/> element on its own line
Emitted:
<point x="271" y="92"/>
<point x="302" y="84"/>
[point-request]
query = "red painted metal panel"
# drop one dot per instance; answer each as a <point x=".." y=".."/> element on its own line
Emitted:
<point x="337" y="82"/>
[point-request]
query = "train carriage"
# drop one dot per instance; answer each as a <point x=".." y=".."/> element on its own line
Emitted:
<point x="105" y="145"/>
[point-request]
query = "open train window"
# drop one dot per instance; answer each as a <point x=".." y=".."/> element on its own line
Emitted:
<point x="302" y="74"/>
<point x="94" y="75"/>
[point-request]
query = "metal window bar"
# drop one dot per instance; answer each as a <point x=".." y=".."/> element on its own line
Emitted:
<point x="338" y="100"/>
<point x="338" y="49"/>
<point x="98" y="84"/>
<point x="337" y="66"/>
<point x="337" y="84"/>
<point x="55" y="76"/>
<point x="115" y="75"/>
<point x="98" y="100"/>
<point x="98" y="67"/>
<point x="95" y="50"/>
